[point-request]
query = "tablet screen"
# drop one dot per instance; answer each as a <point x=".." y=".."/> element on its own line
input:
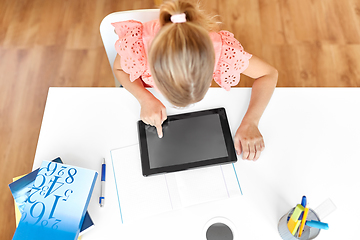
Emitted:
<point x="189" y="140"/>
<point x="185" y="141"/>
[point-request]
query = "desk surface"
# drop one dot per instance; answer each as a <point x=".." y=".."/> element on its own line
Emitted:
<point x="312" y="138"/>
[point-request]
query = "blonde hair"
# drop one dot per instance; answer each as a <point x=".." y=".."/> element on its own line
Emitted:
<point x="181" y="56"/>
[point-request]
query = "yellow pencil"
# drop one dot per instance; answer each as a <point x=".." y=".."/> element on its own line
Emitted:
<point x="303" y="220"/>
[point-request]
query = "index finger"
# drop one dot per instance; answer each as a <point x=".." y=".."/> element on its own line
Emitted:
<point x="158" y="126"/>
<point x="159" y="130"/>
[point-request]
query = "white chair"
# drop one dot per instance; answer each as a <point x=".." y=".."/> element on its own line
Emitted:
<point x="109" y="36"/>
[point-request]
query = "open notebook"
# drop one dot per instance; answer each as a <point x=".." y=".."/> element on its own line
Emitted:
<point x="141" y="197"/>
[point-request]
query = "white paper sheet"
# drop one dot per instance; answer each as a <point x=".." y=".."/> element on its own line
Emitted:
<point x="141" y="197"/>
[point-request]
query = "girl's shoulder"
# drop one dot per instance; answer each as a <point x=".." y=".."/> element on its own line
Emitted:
<point x="230" y="59"/>
<point x="134" y="41"/>
<point x="135" y="28"/>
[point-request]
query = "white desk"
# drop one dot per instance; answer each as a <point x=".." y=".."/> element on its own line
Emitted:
<point x="314" y="130"/>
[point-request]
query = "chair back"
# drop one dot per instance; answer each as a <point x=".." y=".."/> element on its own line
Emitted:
<point x="109" y="36"/>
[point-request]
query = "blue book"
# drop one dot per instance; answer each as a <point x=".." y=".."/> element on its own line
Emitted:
<point x="87" y="224"/>
<point x="21" y="189"/>
<point x="57" y="203"/>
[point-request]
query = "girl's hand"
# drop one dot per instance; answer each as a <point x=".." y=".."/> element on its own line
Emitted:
<point x="249" y="141"/>
<point x="153" y="112"/>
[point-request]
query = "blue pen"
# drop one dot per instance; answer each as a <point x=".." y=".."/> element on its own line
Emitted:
<point x="303" y="201"/>
<point x="102" y="193"/>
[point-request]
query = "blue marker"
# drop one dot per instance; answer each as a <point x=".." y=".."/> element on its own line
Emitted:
<point x="102" y="193"/>
<point x="317" y="224"/>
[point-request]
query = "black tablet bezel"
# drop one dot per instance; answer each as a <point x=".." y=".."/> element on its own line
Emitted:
<point x="146" y="170"/>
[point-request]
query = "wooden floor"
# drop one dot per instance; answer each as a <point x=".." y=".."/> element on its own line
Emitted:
<point x="45" y="43"/>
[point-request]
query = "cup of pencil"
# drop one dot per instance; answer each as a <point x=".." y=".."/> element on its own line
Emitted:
<point x="300" y="222"/>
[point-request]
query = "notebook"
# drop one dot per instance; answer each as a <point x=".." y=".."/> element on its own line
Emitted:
<point x="140" y="197"/>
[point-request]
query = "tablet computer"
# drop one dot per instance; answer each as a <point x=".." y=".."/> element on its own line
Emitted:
<point x="190" y="140"/>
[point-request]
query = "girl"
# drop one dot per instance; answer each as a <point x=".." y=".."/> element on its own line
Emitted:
<point x="179" y="55"/>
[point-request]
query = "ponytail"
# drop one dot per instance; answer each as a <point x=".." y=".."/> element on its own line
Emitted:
<point x="192" y="12"/>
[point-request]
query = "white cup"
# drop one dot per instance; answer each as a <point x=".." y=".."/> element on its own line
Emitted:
<point x="219" y="228"/>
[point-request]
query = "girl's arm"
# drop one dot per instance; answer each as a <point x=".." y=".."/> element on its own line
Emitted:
<point x="248" y="139"/>
<point x="153" y="112"/>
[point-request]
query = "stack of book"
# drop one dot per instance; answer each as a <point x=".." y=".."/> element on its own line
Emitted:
<point x="51" y="202"/>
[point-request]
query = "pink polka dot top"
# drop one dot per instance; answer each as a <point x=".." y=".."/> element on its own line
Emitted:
<point x="135" y="39"/>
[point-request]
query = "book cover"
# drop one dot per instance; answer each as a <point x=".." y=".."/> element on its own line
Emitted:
<point x="20" y="189"/>
<point x="57" y="203"/>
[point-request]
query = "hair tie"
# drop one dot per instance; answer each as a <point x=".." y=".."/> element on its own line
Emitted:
<point x="178" y="18"/>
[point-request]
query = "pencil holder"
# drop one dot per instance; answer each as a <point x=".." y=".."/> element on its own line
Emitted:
<point x="308" y="233"/>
